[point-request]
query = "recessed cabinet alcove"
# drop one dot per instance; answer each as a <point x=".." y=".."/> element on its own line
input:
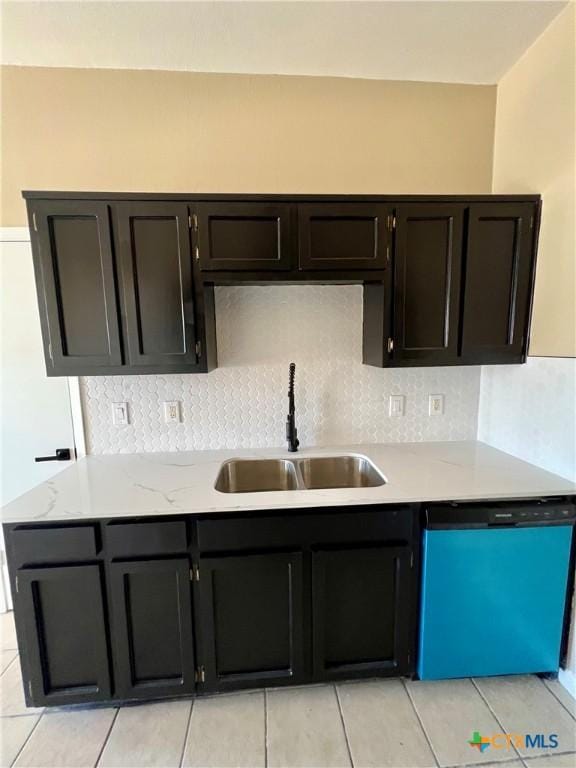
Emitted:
<point x="126" y="281"/>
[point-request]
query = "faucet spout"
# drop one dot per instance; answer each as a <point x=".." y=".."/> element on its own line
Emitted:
<point x="291" y="431"/>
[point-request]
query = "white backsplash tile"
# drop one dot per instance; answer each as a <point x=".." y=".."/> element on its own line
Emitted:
<point x="530" y="411"/>
<point x="261" y="329"/>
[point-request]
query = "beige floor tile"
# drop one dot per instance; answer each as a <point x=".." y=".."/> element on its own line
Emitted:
<point x="382" y="727"/>
<point x="450" y="711"/>
<point x="12" y="693"/>
<point x="511" y="764"/>
<point x="8" y="632"/>
<point x="552" y="761"/>
<point x="226" y="732"/>
<point x="304" y="728"/>
<point x="523" y="704"/>
<point x="15" y="731"/>
<point x="6" y="658"/>
<point x="562" y="695"/>
<point x="147" y="735"/>
<point x="67" y="739"/>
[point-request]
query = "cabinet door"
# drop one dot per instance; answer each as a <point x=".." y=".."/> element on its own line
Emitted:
<point x="427" y="267"/>
<point x="152" y="614"/>
<point x="499" y="266"/>
<point x="62" y="612"/>
<point x="76" y="284"/>
<point x="157" y="281"/>
<point x="343" y="236"/>
<point x="361" y="614"/>
<point x="244" y="236"/>
<point x="250" y="621"/>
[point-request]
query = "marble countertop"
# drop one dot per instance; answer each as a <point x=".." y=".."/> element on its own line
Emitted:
<point x="175" y="483"/>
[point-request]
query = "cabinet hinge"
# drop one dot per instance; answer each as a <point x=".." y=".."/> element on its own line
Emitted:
<point x="195" y="573"/>
<point x="200" y="675"/>
<point x="34" y="223"/>
<point x="198" y="349"/>
<point x="390" y="345"/>
<point x="195" y="222"/>
<point x="189" y="222"/>
<point x="391" y="222"/>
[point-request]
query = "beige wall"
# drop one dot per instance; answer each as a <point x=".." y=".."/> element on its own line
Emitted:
<point x="178" y="131"/>
<point x="534" y="151"/>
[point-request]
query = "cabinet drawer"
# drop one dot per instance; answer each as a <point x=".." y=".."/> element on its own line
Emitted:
<point x="54" y="545"/>
<point x="309" y="530"/>
<point x="146" y="538"/>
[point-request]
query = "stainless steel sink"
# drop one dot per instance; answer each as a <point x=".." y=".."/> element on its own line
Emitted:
<point x="254" y="475"/>
<point x="251" y="475"/>
<point x="339" y="472"/>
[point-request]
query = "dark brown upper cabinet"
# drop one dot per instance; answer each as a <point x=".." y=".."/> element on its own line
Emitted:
<point x="243" y="236"/>
<point x="158" y="294"/>
<point x="347" y="236"/>
<point x="75" y="280"/>
<point x="499" y="270"/>
<point x="427" y="267"/>
<point x="126" y="282"/>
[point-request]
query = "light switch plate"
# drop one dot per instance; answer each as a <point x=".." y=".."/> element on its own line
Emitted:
<point x="396" y="405"/>
<point x="172" y="412"/>
<point x="120" y="416"/>
<point x="436" y="405"/>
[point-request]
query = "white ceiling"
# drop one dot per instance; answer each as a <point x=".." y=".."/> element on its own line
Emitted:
<point x="462" y="41"/>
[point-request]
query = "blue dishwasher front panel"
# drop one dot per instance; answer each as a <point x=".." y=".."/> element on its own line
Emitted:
<point x="492" y="601"/>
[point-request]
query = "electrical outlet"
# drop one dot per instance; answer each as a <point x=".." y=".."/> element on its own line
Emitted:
<point x="396" y="405"/>
<point x="435" y="405"/>
<point x="120" y="414"/>
<point x="172" y="412"/>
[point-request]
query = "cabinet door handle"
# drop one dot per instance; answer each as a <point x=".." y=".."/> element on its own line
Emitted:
<point x="62" y="454"/>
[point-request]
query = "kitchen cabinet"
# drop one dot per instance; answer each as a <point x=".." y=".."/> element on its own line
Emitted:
<point x="427" y="269"/>
<point x="351" y="236"/>
<point x="152" y="620"/>
<point x="61" y="610"/>
<point x="76" y="285"/>
<point x="250" y="619"/>
<point x="361" y="611"/>
<point x="499" y="269"/>
<point x="157" y="284"/>
<point x="462" y="286"/>
<point x="126" y="282"/>
<point x="243" y="236"/>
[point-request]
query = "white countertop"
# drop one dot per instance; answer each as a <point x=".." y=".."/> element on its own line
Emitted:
<point x="175" y="483"/>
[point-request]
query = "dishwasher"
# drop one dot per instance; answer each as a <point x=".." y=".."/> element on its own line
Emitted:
<point x="495" y="582"/>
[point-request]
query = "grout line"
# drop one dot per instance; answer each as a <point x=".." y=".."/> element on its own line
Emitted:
<point x="265" y="728"/>
<point x="27" y="739"/>
<point x="494" y="715"/>
<point x="107" y="736"/>
<point x="343" y="724"/>
<point x="558" y="699"/>
<point x="10" y="663"/>
<point x="187" y="734"/>
<point x="420" y="722"/>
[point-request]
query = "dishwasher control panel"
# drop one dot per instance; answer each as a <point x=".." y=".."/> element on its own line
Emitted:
<point x="482" y="515"/>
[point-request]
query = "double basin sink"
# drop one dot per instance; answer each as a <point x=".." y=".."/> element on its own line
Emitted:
<point x="253" y="475"/>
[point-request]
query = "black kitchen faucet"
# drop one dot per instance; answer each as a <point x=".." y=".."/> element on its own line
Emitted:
<point x="291" y="431"/>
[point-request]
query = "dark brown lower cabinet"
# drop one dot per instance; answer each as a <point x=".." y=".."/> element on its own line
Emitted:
<point x="361" y="611"/>
<point x="65" y="631"/>
<point x="152" y="621"/>
<point x="250" y="619"/>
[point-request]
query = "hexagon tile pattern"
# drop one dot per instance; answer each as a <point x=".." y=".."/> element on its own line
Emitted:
<point x="260" y="330"/>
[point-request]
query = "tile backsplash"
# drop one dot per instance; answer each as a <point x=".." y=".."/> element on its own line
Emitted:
<point x="261" y="329"/>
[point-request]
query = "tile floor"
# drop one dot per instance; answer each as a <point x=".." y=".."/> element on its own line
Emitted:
<point x="396" y="723"/>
